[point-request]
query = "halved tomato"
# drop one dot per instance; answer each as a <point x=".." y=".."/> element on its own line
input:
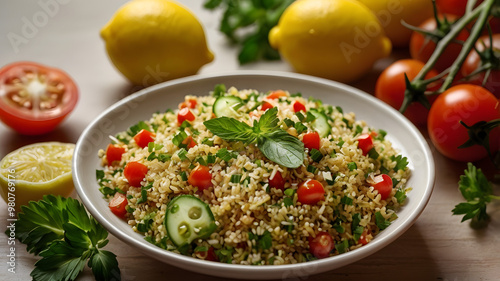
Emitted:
<point x="35" y="98"/>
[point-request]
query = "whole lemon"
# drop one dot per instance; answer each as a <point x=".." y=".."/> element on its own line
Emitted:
<point x="391" y="12"/>
<point x="334" y="39"/>
<point x="151" y="41"/>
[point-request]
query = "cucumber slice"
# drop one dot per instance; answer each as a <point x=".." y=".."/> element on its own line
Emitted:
<point x="227" y="106"/>
<point x="188" y="218"/>
<point x="320" y="124"/>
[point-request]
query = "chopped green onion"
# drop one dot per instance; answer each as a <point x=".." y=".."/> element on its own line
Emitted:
<point x="184" y="176"/>
<point x="310" y="117"/>
<point x="316" y="155"/>
<point x="352" y="166"/>
<point x="300" y="116"/>
<point x="289" y="123"/>
<point x="346" y="200"/>
<point x="373" y="154"/>
<point x="207" y="141"/>
<point x="177" y="140"/>
<point x="226" y="155"/>
<point x="300" y="128"/>
<point x="236" y="178"/>
<point x="182" y="153"/>
<point x="311" y="169"/>
<point x="342" y="247"/>
<point x="211" y="159"/>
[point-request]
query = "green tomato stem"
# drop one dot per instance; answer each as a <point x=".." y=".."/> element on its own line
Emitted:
<point x="416" y="88"/>
<point x="455" y="30"/>
<point x="469" y="43"/>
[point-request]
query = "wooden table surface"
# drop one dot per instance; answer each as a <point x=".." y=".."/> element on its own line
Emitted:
<point x="65" y="34"/>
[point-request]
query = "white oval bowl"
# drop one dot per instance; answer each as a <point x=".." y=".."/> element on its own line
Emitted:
<point x="141" y="105"/>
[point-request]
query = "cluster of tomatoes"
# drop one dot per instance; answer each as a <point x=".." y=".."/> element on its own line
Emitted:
<point x="473" y="96"/>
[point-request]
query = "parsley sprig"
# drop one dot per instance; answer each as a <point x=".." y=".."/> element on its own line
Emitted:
<point x="247" y="23"/>
<point x="275" y="143"/>
<point x="478" y="192"/>
<point x="62" y="233"/>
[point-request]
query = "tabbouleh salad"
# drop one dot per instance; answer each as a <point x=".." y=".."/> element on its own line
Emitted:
<point x="244" y="177"/>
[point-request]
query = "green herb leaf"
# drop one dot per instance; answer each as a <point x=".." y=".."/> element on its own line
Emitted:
<point x="275" y="143"/>
<point x="401" y="162"/>
<point x="104" y="266"/>
<point x="133" y="130"/>
<point x="352" y="166"/>
<point x="381" y="222"/>
<point x="342" y="247"/>
<point x="255" y="18"/>
<point x="400" y="195"/>
<point x="62" y="233"/>
<point x="477" y="191"/>
<point x="231" y="129"/>
<point x="283" y="148"/>
<point x="60" y="261"/>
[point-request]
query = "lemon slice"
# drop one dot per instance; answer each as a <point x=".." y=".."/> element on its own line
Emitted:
<point x="33" y="171"/>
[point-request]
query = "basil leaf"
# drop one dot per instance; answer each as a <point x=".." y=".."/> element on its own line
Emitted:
<point x="268" y="122"/>
<point x="231" y="129"/>
<point x="282" y="148"/>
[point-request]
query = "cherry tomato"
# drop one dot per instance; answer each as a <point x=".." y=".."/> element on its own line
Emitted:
<point x="383" y="184"/>
<point x="365" y="143"/>
<point x="391" y="86"/>
<point x="118" y="205"/>
<point x="189" y="103"/>
<point x="422" y="47"/>
<point x="265" y="106"/>
<point x="200" y="177"/>
<point x="471" y="104"/>
<point x="311" y="140"/>
<point x="277" y="94"/>
<point x="114" y="153"/>
<point x="363" y="239"/>
<point x="277" y="181"/>
<point x="452" y="7"/>
<point x="298" y="106"/>
<point x="473" y="62"/>
<point x="185" y="114"/>
<point x="144" y="137"/>
<point x="310" y="192"/>
<point x="135" y="172"/>
<point x="321" y="245"/>
<point x="189" y="142"/>
<point x="35" y="98"/>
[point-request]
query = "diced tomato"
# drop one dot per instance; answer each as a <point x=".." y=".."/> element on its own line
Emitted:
<point x="190" y="103"/>
<point x="365" y="143"/>
<point x="117" y="205"/>
<point x="208" y="255"/>
<point x="311" y="140"/>
<point x="310" y="192"/>
<point x="189" y="142"/>
<point x="144" y="137"/>
<point x="185" y="115"/>
<point x="321" y="245"/>
<point x="114" y="153"/>
<point x="265" y="106"/>
<point x="363" y="239"/>
<point x="298" y="106"/>
<point x="383" y="184"/>
<point x="135" y="172"/>
<point x="277" y="181"/>
<point x="277" y="94"/>
<point x="200" y="177"/>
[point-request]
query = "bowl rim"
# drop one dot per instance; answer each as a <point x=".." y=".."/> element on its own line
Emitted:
<point x="258" y="272"/>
